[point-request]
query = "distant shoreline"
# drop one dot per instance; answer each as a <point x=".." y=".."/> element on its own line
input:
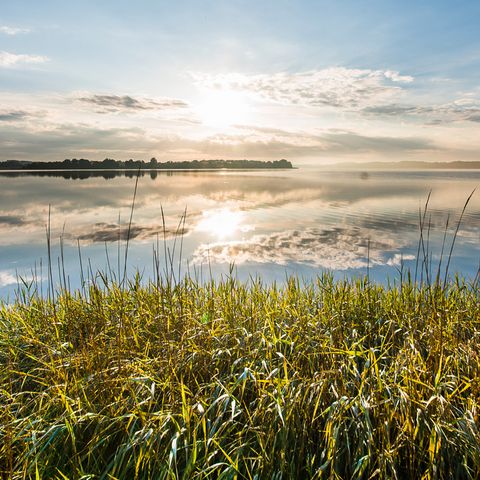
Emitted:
<point x="107" y="174"/>
<point x="407" y="165"/>
<point x="133" y="165"/>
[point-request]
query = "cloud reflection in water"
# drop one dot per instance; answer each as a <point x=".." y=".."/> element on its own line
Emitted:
<point x="335" y="249"/>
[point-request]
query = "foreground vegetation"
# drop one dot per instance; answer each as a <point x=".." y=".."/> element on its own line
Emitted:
<point x="234" y="380"/>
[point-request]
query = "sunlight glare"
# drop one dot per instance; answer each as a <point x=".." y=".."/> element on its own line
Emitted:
<point x="221" y="109"/>
<point x="221" y="223"/>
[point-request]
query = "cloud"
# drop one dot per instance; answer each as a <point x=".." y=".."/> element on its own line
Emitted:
<point x="398" y="258"/>
<point x="72" y="140"/>
<point x="331" y="141"/>
<point x="13" y="115"/>
<point x="79" y="140"/>
<point x="126" y="103"/>
<point x="331" y="87"/>
<point x="348" y="142"/>
<point x="395" y="109"/>
<point x="13" y="30"/>
<point x="365" y="91"/>
<point x="396" y="77"/>
<point x="11" y="220"/>
<point x="10" y="60"/>
<point x="277" y="132"/>
<point x="462" y="110"/>
<point x="321" y="145"/>
<point x="337" y="249"/>
<point x="6" y="278"/>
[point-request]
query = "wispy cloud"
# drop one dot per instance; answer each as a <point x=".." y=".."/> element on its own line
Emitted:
<point x="7" y="30"/>
<point x="10" y="60"/>
<point x="13" y="115"/>
<point x="126" y="103"/>
<point x="461" y="110"/>
<point x="331" y="87"/>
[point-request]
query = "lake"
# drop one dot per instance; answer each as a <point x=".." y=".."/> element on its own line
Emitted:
<point x="266" y="223"/>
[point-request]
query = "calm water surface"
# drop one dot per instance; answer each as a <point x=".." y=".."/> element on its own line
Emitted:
<point x="268" y="223"/>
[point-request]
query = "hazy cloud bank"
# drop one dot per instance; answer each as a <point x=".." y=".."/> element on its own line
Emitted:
<point x="460" y="110"/>
<point x="60" y="141"/>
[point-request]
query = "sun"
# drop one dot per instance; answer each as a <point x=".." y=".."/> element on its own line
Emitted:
<point x="223" y="108"/>
<point x="221" y="223"/>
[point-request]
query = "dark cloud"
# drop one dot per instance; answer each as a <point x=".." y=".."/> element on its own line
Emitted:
<point x="13" y="115"/>
<point x="126" y="103"/>
<point x="11" y="220"/>
<point x="396" y="109"/>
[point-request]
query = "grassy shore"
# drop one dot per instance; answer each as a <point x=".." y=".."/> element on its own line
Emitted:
<point x="233" y="380"/>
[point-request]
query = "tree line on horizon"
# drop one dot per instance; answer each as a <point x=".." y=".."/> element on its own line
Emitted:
<point x="111" y="164"/>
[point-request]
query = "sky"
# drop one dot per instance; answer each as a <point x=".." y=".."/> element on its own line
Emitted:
<point x="316" y="82"/>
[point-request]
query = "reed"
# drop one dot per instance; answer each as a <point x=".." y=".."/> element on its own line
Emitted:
<point x="242" y="380"/>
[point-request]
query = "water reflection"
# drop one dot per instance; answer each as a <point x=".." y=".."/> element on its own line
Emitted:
<point x="336" y="249"/>
<point x="113" y="232"/>
<point x="299" y="221"/>
<point x="84" y="174"/>
<point x="222" y="223"/>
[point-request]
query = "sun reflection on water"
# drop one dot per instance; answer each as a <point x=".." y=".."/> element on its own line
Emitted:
<point x="222" y="223"/>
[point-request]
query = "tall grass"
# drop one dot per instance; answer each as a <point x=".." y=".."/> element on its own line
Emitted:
<point x="242" y="380"/>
